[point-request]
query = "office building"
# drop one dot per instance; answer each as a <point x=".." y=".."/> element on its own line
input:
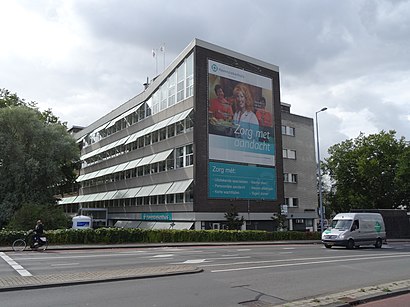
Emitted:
<point x="203" y="138"/>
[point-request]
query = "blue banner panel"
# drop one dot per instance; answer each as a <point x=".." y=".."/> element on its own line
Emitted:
<point x="241" y="182"/>
<point x="164" y="216"/>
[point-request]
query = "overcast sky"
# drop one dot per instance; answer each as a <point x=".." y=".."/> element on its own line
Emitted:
<point x="83" y="58"/>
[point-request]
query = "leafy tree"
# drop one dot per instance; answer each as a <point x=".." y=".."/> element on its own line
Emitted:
<point x="9" y="100"/>
<point x="53" y="217"/>
<point x="280" y="221"/>
<point x="369" y="172"/>
<point x="233" y="220"/>
<point x="37" y="156"/>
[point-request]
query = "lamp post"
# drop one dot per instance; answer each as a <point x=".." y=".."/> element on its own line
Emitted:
<point x="319" y="171"/>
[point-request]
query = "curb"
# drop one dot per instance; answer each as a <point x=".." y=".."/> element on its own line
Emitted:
<point x="30" y="282"/>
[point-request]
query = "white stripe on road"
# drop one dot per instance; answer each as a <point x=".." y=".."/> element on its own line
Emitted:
<point x="308" y="263"/>
<point x="19" y="269"/>
<point x="64" y="264"/>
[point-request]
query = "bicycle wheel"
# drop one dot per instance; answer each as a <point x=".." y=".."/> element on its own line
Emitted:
<point x="19" y="245"/>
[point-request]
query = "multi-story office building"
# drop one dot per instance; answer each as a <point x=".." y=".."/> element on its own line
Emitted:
<point x="299" y="170"/>
<point x="203" y="137"/>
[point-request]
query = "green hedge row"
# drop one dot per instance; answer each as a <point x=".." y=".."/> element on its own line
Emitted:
<point x="134" y="235"/>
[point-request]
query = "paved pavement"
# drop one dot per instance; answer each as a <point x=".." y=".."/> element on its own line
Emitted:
<point x="388" y="294"/>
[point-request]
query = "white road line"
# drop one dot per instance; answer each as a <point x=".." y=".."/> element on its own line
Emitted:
<point x="64" y="264"/>
<point x="195" y="261"/>
<point x="19" y="269"/>
<point x="162" y="256"/>
<point x="308" y="263"/>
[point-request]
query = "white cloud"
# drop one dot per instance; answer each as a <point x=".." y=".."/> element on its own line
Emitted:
<point x="84" y="58"/>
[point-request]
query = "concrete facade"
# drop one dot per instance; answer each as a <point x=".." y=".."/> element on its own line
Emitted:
<point x="300" y="196"/>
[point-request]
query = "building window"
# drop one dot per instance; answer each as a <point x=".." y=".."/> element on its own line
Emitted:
<point x="189" y="123"/>
<point x="170" y="161"/>
<point x="292" y="201"/>
<point x="286" y="130"/>
<point x="180" y="127"/>
<point x="179" y="157"/>
<point x="189" y="160"/>
<point x="161" y="199"/>
<point x="147" y="169"/>
<point x="155" y="102"/>
<point x="170" y="199"/>
<point x="163" y="134"/>
<point x="180" y="82"/>
<point x="189" y="63"/>
<point x="147" y="139"/>
<point x="289" y="154"/>
<point x="162" y="166"/>
<point x="153" y="200"/>
<point x="179" y="198"/>
<point x="292" y="178"/>
<point x="171" y="131"/>
<point x="155" y="136"/>
<point x="171" y="89"/>
<point x="140" y="142"/>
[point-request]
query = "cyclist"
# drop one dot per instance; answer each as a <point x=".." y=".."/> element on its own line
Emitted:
<point x="38" y="232"/>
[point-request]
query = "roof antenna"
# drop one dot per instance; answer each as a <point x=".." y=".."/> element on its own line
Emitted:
<point x="146" y="84"/>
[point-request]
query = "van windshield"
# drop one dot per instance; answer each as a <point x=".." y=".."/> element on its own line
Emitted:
<point x="341" y="224"/>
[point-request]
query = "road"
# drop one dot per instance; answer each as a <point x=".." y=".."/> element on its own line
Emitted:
<point x="244" y="275"/>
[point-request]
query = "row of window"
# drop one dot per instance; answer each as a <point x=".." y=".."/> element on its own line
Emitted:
<point x="178" y="198"/>
<point x="148" y="139"/>
<point x="178" y="86"/>
<point x="178" y="158"/>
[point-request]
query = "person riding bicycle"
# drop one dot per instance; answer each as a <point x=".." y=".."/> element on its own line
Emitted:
<point x="38" y="232"/>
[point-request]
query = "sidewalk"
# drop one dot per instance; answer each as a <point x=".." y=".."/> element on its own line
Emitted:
<point x="13" y="283"/>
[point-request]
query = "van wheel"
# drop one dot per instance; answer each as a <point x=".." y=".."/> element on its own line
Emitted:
<point x="328" y="246"/>
<point x="350" y="244"/>
<point x="379" y="243"/>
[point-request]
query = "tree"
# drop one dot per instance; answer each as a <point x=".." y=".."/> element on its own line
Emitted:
<point x="53" y="217"/>
<point x="9" y="100"/>
<point x="369" y="172"/>
<point x="280" y="221"/>
<point x="37" y="156"/>
<point x="233" y="220"/>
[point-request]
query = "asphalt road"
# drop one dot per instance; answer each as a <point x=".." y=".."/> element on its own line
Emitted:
<point x="244" y="275"/>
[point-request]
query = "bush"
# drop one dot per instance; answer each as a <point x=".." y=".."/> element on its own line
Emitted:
<point x="134" y="235"/>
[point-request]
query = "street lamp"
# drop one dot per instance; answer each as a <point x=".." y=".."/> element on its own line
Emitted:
<point x="318" y="170"/>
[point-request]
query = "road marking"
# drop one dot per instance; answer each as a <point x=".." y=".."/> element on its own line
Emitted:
<point x="309" y="262"/>
<point x="243" y="250"/>
<point x="64" y="264"/>
<point x="19" y="269"/>
<point x="163" y="256"/>
<point x="195" y="261"/>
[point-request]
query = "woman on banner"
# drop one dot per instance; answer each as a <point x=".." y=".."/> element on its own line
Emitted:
<point x="219" y="107"/>
<point x="244" y="118"/>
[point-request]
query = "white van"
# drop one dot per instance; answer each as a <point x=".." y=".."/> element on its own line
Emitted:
<point x="355" y="229"/>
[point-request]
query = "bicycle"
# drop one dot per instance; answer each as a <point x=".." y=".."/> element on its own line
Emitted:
<point x="20" y="245"/>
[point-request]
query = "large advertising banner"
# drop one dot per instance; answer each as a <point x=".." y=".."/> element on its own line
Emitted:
<point x="241" y="130"/>
<point x="232" y="181"/>
<point x="240" y="116"/>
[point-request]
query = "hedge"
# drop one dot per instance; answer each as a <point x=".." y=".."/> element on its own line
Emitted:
<point x="135" y="235"/>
